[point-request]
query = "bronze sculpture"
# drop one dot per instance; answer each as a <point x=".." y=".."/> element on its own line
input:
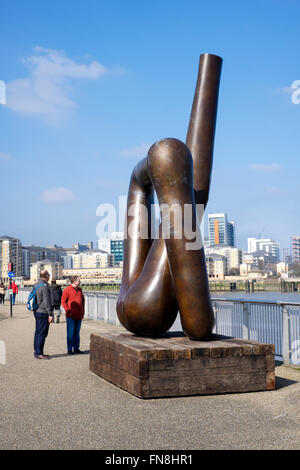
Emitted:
<point x="161" y="276"/>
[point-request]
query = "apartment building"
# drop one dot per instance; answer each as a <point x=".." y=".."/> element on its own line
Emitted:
<point x="216" y="266"/>
<point x="54" y="268"/>
<point x="92" y="259"/>
<point x="232" y="254"/>
<point x="265" y="244"/>
<point x="10" y="252"/>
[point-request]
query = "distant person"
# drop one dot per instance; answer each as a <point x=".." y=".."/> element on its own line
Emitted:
<point x="43" y="315"/>
<point x="55" y="294"/>
<point x="15" y="291"/>
<point x="73" y="303"/>
<point x="2" y="293"/>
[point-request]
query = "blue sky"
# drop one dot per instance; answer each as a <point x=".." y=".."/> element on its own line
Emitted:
<point x="92" y="84"/>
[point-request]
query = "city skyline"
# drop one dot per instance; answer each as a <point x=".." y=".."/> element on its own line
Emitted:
<point x="81" y="110"/>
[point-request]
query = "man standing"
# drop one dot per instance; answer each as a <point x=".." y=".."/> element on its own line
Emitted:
<point x="73" y="302"/>
<point x="55" y="294"/>
<point x="43" y="315"/>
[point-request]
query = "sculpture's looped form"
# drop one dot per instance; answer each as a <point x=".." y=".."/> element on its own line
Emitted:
<point x="161" y="276"/>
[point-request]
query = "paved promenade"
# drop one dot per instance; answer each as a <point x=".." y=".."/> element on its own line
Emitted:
<point x="60" y="404"/>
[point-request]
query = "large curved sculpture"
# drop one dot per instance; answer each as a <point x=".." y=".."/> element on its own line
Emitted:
<point x="162" y="276"/>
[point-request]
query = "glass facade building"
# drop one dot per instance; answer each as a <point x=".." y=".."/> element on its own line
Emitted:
<point x="117" y="246"/>
<point x="220" y="230"/>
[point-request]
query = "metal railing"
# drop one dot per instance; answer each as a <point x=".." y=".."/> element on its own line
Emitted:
<point x="277" y="323"/>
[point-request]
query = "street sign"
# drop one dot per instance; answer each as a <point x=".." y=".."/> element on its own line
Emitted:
<point x="11" y="274"/>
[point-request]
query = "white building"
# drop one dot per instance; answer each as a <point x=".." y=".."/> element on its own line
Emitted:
<point x="92" y="259"/>
<point x="265" y="244"/>
<point x="232" y="254"/>
<point x="282" y="269"/>
<point x="259" y="258"/>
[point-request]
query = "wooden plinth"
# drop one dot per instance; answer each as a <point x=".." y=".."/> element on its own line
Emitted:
<point x="177" y="366"/>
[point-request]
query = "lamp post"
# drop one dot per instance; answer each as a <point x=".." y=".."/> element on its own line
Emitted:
<point x="10" y="275"/>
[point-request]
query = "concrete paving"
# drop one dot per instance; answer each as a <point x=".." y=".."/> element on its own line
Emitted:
<point x="60" y="404"/>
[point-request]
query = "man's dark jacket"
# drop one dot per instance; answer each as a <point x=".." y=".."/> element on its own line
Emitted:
<point x="55" y="295"/>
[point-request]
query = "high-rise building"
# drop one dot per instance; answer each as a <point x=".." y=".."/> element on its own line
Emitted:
<point x="117" y="246"/>
<point x="286" y="255"/>
<point x="11" y="252"/>
<point x="25" y="262"/>
<point x="220" y="230"/>
<point x="295" y="249"/>
<point x="265" y="244"/>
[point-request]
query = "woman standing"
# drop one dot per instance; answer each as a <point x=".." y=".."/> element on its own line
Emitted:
<point x="2" y="293"/>
<point x="73" y="302"/>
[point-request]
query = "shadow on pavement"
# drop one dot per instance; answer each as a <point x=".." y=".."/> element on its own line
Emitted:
<point x="281" y="382"/>
<point x="54" y="356"/>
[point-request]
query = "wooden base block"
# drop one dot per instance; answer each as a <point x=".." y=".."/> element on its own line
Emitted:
<point x="177" y="366"/>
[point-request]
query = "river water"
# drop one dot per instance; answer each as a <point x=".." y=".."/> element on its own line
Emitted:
<point x="264" y="296"/>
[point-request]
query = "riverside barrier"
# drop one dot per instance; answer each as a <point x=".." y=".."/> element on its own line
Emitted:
<point x="272" y="322"/>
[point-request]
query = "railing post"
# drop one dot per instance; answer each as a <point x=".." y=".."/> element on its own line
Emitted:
<point x="86" y="306"/>
<point x="246" y="334"/>
<point x="98" y="313"/>
<point x="214" y="305"/>
<point x="93" y="298"/>
<point x="285" y="335"/>
<point x="106" y="308"/>
<point x="117" y="318"/>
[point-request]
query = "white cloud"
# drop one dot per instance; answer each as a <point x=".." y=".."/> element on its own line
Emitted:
<point x="284" y="90"/>
<point x="265" y="168"/>
<point x="139" y="151"/>
<point x="2" y="92"/>
<point x="293" y="90"/>
<point x="58" y="196"/>
<point x="45" y="92"/>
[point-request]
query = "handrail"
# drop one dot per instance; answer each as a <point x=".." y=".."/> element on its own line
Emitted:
<point x="221" y="299"/>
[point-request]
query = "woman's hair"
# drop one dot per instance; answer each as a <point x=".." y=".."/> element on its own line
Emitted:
<point x="73" y="279"/>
